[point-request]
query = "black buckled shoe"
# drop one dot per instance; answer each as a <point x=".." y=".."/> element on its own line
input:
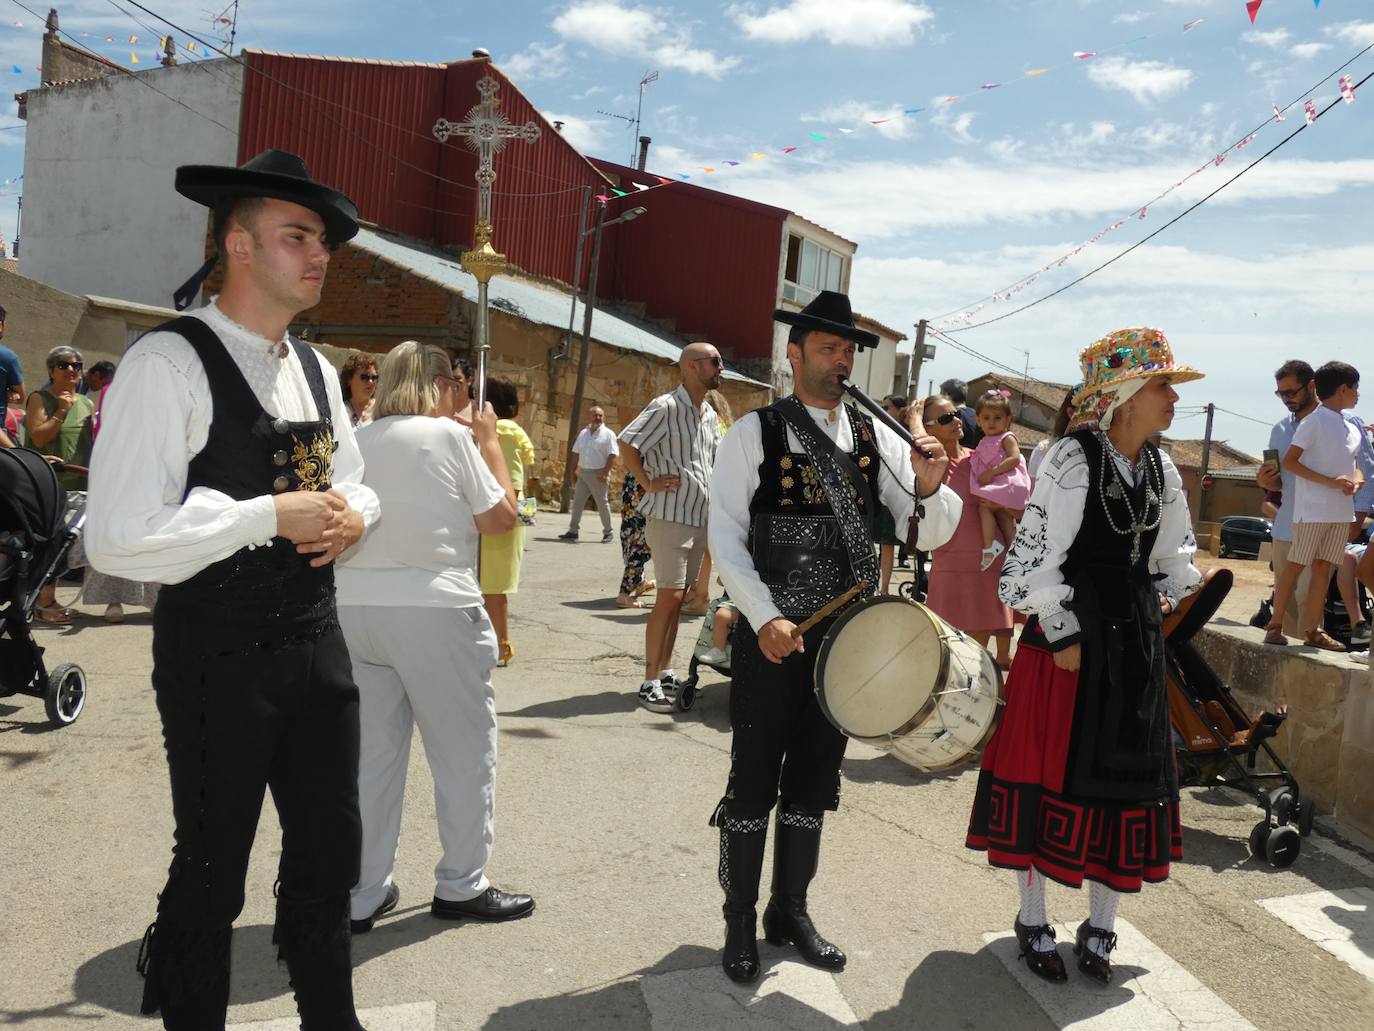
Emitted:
<point x="1099" y="968"/>
<point x="796" y="855"/>
<point x="1049" y="965"/>
<point x="493" y="904"/>
<point x="388" y="903"/>
<point x="786" y="920"/>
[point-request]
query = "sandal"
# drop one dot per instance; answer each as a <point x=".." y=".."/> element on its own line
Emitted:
<point x="626" y="601"/>
<point x="990" y="554"/>
<point x="1273" y="634"/>
<point x="645" y="587"/>
<point x="506" y="654"/>
<point x="1319" y="638"/>
<point x="54" y="614"/>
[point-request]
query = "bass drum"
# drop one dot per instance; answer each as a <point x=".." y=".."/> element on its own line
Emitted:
<point x="894" y="675"/>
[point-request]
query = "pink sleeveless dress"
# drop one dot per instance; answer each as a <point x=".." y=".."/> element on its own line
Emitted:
<point x="1012" y="488"/>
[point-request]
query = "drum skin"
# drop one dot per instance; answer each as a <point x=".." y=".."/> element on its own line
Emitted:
<point x="892" y="674"/>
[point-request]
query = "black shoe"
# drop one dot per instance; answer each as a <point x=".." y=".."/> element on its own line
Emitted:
<point x="393" y="896"/>
<point x="786" y="920"/>
<point x="607" y="536"/>
<point x="493" y="904"/>
<point x="1099" y="968"/>
<point x="796" y="855"/>
<point x="740" y="958"/>
<point x="571" y="535"/>
<point x="1049" y="965"/>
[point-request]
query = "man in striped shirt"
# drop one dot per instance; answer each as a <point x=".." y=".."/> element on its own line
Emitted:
<point x="670" y="448"/>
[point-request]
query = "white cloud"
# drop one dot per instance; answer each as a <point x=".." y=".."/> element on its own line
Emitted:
<point x="625" y="30"/>
<point x="1130" y="18"/>
<point x="1358" y="33"/>
<point x="852" y="114"/>
<point x="1147" y="81"/>
<point x="1272" y="38"/>
<point x="863" y="23"/>
<point x="587" y="136"/>
<point x="536" y="61"/>
<point x="1306" y="51"/>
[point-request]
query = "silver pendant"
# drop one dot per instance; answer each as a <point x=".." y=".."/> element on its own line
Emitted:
<point x="1115" y="492"/>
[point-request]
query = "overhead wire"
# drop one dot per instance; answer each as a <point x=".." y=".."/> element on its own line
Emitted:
<point x="1187" y="211"/>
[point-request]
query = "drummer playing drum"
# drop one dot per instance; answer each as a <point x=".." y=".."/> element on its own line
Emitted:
<point x="794" y="492"/>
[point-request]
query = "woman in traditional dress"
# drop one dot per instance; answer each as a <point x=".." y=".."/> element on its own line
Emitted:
<point x="961" y="592"/>
<point x="1079" y="781"/>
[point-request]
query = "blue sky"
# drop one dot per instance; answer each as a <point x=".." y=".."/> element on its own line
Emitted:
<point x="963" y="199"/>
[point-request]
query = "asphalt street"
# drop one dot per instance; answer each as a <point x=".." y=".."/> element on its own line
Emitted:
<point x="602" y="816"/>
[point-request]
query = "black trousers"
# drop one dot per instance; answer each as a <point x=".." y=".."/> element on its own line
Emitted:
<point x="244" y="709"/>
<point x="783" y="745"/>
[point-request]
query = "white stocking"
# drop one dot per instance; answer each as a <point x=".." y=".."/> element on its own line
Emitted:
<point x="1031" y="884"/>
<point x="1103" y="904"/>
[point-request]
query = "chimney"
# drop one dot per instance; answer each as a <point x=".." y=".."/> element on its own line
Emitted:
<point x="169" y="52"/>
<point x="644" y="142"/>
<point x="481" y="54"/>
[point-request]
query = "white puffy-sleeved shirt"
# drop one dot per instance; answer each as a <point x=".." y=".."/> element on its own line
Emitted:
<point x="735" y="477"/>
<point x="156" y="418"/>
<point x="1032" y="576"/>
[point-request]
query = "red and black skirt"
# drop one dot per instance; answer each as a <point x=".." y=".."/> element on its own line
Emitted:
<point x="1024" y="817"/>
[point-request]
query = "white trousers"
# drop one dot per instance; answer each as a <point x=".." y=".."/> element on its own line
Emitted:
<point x="431" y="667"/>
<point x="588" y="486"/>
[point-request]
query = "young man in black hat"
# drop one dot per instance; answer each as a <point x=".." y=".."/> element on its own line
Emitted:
<point x="226" y="469"/>
<point x="806" y="468"/>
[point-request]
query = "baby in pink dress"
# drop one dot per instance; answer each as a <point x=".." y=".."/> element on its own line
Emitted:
<point x="997" y="475"/>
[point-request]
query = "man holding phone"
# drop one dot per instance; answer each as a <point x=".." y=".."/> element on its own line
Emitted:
<point x="1293" y="386"/>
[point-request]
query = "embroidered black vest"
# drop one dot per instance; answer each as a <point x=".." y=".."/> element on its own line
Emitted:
<point x="793" y="535"/>
<point x="247" y="454"/>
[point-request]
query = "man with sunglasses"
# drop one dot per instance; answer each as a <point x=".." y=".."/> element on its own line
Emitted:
<point x="670" y="448"/>
<point x="1293" y="387"/>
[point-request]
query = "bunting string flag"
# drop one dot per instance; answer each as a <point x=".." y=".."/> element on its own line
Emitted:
<point x="1347" y="89"/>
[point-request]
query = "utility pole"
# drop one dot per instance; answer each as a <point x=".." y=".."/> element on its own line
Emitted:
<point x="918" y="354"/>
<point x="1206" y="458"/>
<point x="1025" y="378"/>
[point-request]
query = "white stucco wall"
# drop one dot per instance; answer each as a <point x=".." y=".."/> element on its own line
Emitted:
<point x="100" y="212"/>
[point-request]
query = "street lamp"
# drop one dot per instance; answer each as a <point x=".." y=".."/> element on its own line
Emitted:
<point x="585" y="357"/>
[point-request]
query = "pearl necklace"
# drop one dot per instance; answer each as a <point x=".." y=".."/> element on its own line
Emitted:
<point x="1115" y="489"/>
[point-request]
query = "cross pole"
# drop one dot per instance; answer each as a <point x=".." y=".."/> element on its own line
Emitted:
<point x="485" y="130"/>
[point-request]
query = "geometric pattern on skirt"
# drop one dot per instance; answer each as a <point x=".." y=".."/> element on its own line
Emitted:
<point x="1024" y="825"/>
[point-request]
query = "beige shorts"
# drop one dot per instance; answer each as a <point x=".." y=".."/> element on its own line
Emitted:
<point x="1314" y="542"/>
<point x="677" y="550"/>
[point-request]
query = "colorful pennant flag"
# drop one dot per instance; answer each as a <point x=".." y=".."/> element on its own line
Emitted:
<point x="133" y="39"/>
<point x="788" y="150"/>
<point x="1310" y="112"/>
<point x="18" y="70"/>
<point x="133" y="58"/>
<point x="1083" y="55"/>
<point x="818" y="137"/>
<point x="1278" y="115"/>
<point x="1190" y="26"/>
<point x="1347" y="89"/>
<point x="1252" y="7"/>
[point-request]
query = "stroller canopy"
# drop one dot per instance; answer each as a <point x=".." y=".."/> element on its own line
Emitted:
<point x="32" y="502"/>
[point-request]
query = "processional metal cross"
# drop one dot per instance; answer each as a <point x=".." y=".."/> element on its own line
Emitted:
<point x="485" y="130"/>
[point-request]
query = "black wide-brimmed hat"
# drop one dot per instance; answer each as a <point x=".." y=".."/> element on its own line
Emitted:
<point x="828" y="312"/>
<point x="278" y="174"/>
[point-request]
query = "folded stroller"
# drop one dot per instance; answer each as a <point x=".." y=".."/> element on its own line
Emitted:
<point x="1217" y="743"/>
<point x="34" y="541"/>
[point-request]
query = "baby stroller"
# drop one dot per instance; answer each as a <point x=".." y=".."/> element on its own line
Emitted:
<point x="1217" y="743"/>
<point x="688" y="690"/>
<point x="34" y="541"/>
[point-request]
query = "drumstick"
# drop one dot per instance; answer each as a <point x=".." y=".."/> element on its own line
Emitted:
<point x="830" y="607"/>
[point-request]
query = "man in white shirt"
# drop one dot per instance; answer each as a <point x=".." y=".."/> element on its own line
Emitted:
<point x="596" y="449"/>
<point x="791" y="530"/>
<point x="226" y="469"/>
<point x="669" y="449"/>
<point x="1322" y="458"/>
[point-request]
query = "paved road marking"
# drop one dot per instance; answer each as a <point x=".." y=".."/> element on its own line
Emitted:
<point x="1150" y="992"/>
<point x="1341" y="922"/>
<point x="788" y="996"/>
<point x="411" y="1016"/>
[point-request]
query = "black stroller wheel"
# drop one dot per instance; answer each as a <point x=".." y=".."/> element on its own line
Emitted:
<point x="687" y="695"/>
<point x="1282" y="846"/>
<point x="66" y="694"/>
<point x="1259" y="838"/>
<point x="1304" y="813"/>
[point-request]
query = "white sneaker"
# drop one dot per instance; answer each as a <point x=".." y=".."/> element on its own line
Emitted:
<point x="114" y="612"/>
<point x="713" y="657"/>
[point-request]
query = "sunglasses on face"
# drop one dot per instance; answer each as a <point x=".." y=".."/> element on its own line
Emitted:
<point x="943" y="420"/>
<point x="1288" y="395"/>
<point x="69" y="366"/>
<point x="369" y="377"/>
<point x="715" y="360"/>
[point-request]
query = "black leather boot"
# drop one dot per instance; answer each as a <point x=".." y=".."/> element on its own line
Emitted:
<point x="796" y="854"/>
<point x="186" y="972"/>
<point x="314" y="940"/>
<point x="741" y="864"/>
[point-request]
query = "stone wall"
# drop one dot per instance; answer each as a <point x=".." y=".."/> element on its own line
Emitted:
<point x="1328" y="739"/>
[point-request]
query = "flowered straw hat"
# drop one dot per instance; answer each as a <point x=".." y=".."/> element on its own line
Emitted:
<point x="1127" y="355"/>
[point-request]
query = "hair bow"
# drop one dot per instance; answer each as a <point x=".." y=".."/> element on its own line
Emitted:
<point x="1000" y="393"/>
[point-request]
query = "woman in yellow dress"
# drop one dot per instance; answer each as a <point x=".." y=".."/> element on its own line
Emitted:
<point x="499" y="570"/>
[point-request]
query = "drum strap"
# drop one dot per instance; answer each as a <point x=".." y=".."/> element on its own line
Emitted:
<point x="837" y="473"/>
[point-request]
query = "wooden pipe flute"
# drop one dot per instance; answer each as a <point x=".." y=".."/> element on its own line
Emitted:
<point x="882" y="415"/>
